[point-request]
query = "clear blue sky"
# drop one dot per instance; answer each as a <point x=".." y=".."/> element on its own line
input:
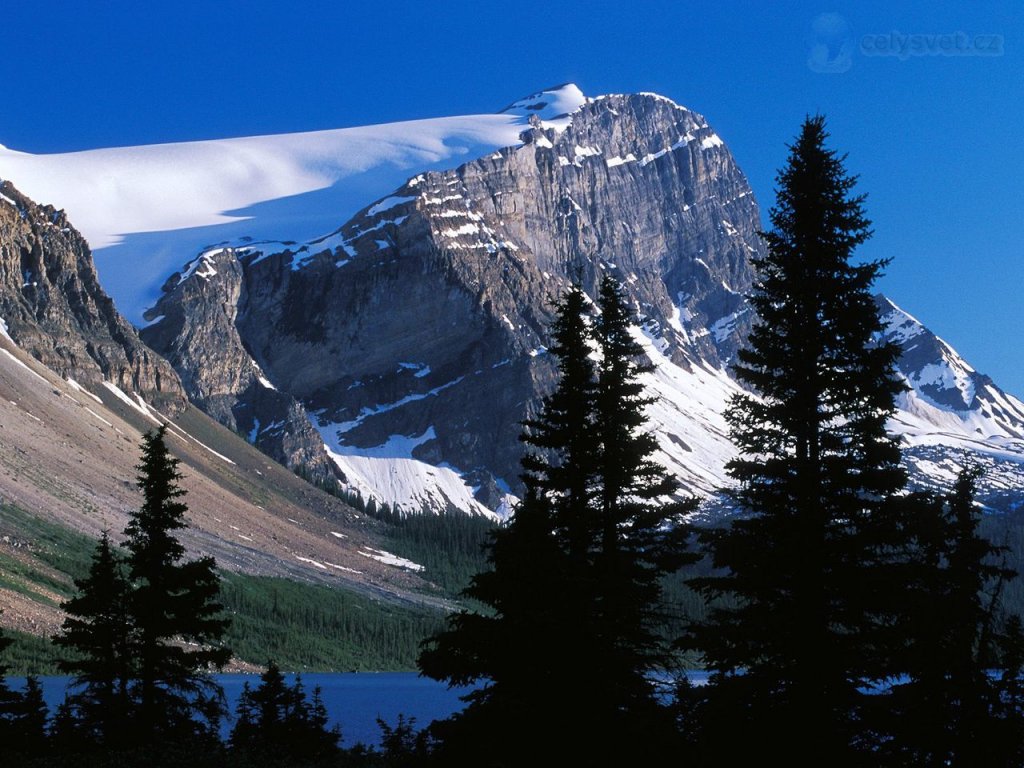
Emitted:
<point x="936" y="138"/>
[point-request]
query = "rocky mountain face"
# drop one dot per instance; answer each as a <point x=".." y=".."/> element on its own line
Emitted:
<point x="399" y="354"/>
<point x="950" y="415"/>
<point x="417" y="331"/>
<point x="200" y="336"/>
<point x="52" y="305"/>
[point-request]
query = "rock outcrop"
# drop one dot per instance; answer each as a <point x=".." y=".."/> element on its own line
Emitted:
<point x="199" y="335"/>
<point x="412" y="339"/>
<point x="54" y="307"/>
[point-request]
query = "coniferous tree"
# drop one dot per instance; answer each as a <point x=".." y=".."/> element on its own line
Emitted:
<point x="574" y="586"/>
<point x="1006" y="743"/>
<point x="642" y="537"/>
<point x="951" y="710"/>
<point x="816" y="556"/>
<point x="177" y="621"/>
<point x="9" y="700"/>
<point x="277" y="725"/>
<point x="27" y="735"/>
<point x="98" y="630"/>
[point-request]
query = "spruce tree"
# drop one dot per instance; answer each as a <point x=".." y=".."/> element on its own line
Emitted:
<point x="573" y="594"/>
<point x="951" y="707"/>
<point x="177" y="623"/>
<point x="98" y="630"/>
<point x="277" y="724"/>
<point x="642" y="535"/>
<point x="815" y="557"/>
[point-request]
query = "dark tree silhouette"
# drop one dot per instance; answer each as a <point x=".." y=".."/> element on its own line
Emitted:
<point x="277" y="725"/>
<point x="9" y="700"/>
<point x="567" y="643"/>
<point x="177" y="621"/>
<point x="27" y="734"/>
<point x="953" y="709"/>
<point x="816" y="557"/>
<point x="98" y="630"/>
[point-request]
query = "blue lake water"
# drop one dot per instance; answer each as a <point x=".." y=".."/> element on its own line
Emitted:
<point x="354" y="701"/>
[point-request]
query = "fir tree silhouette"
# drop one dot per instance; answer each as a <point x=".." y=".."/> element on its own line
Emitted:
<point x="816" y="559"/>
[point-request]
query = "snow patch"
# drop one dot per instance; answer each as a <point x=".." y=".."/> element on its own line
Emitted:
<point x="613" y="162"/>
<point x="79" y="388"/>
<point x="383" y="556"/>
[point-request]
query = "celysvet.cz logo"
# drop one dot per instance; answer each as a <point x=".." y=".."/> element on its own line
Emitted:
<point x="832" y="44"/>
<point x="903" y="46"/>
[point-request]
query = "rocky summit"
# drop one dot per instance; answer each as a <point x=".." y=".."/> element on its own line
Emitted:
<point x="417" y="330"/>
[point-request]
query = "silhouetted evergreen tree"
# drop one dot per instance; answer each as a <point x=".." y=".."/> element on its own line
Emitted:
<point x="277" y="725"/>
<point x="641" y="536"/>
<point x="1006" y="742"/>
<point x="177" y="622"/>
<point x="402" y="744"/>
<point x="27" y="731"/>
<point x="573" y="592"/>
<point x="9" y="700"/>
<point x="818" y="555"/>
<point x="98" y="630"/>
<point x="145" y="630"/>
<point x="950" y="710"/>
<point x="561" y="462"/>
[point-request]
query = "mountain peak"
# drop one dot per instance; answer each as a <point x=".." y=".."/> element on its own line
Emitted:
<point x="548" y="104"/>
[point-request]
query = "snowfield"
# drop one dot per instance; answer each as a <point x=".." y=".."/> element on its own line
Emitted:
<point x="146" y="210"/>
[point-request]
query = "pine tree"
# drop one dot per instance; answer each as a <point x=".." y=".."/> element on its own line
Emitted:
<point x="177" y="624"/>
<point x="815" y="557"/>
<point x="98" y="629"/>
<point x="951" y="708"/>
<point x="276" y="724"/>
<point x="574" y="587"/>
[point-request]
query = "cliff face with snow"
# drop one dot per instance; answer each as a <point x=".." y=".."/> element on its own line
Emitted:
<point x="375" y="312"/>
<point x="417" y="331"/>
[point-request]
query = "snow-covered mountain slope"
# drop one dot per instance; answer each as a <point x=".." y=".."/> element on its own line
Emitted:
<point x="144" y="210"/>
<point x="414" y="335"/>
<point x="947" y="400"/>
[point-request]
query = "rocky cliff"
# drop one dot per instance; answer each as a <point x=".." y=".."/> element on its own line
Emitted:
<point x="418" y="329"/>
<point x="52" y="305"/>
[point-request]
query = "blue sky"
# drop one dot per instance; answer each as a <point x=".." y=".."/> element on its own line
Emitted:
<point x="934" y="134"/>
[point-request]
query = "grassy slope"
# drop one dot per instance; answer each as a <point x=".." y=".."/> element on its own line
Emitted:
<point x="300" y="625"/>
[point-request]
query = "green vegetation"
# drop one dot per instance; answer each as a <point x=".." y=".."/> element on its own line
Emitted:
<point x="54" y="554"/>
<point x="314" y="627"/>
<point x="450" y="545"/>
<point x="31" y="654"/>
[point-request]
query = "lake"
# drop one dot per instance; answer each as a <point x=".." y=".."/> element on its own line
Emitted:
<point x="354" y="700"/>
